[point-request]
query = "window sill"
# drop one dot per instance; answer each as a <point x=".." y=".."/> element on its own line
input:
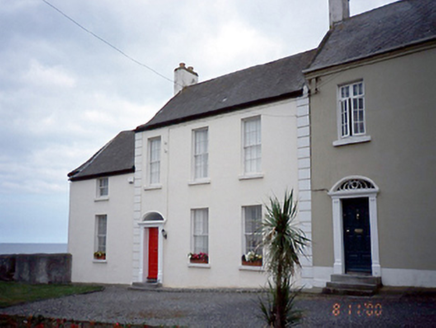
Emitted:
<point x="101" y="199"/>
<point x="199" y="182"/>
<point x="251" y="268"/>
<point x="199" y="265"/>
<point x="251" y="176"/>
<point x="99" y="261"/>
<point x="153" y="187"/>
<point x="351" y="140"/>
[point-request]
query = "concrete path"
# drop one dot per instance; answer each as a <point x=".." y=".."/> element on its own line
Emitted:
<point x="233" y="309"/>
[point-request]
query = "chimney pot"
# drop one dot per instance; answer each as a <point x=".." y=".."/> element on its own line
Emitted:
<point x="190" y="68"/>
<point x="182" y="65"/>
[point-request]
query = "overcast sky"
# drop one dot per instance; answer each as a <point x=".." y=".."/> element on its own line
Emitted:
<point x="64" y="93"/>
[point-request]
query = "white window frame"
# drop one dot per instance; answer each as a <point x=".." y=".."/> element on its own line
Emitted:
<point x="100" y="236"/>
<point x="351" y="114"/>
<point x="245" y="234"/>
<point x="154" y="161"/>
<point x="195" y="233"/>
<point x="102" y="188"/>
<point x="200" y="156"/>
<point x="252" y="146"/>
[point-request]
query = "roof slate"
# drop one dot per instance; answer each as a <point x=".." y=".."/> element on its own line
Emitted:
<point x="116" y="157"/>
<point x="381" y="30"/>
<point x="278" y="79"/>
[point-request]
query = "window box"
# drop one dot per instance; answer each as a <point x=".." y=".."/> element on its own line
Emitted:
<point x="199" y="261"/>
<point x="100" y="255"/>
<point x="257" y="263"/>
<point x="200" y="258"/>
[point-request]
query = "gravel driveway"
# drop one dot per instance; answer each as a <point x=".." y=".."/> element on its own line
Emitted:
<point x="119" y="304"/>
<point x="232" y="309"/>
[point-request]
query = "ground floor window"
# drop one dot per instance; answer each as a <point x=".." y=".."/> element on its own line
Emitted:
<point x="252" y="235"/>
<point x="200" y="236"/>
<point x="100" y="237"/>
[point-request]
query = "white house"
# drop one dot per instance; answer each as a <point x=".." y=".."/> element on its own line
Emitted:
<point x="101" y="209"/>
<point x="204" y="167"/>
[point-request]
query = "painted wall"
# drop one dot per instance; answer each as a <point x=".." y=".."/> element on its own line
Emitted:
<point x="224" y="195"/>
<point x="400" y="158"/>
<point x="81" y="231"/>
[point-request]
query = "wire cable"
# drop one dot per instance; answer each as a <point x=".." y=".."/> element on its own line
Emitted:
<point x="106" y="42"/>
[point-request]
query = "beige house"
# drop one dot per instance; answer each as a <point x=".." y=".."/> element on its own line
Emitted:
<point x="372" y="103"/>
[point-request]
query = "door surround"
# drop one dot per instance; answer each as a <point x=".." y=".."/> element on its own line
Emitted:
<point x="354" y="187"/>
<point x="150" y="220"/>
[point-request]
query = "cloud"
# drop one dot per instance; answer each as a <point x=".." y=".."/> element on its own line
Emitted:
<point x="64" y="93"/>
<point x="46" y="76"/>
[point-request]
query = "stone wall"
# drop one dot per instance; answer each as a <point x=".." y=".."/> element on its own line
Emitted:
<point x="36" y="268"/>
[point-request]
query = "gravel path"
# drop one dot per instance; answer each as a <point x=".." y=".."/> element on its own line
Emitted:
<point x="119" y="304"/>
<point x="231" y="309"/>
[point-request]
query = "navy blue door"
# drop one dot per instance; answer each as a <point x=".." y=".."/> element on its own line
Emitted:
<point x="357" y="237"/>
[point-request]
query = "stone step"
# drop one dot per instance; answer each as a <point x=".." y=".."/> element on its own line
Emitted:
<point x="356" y="279"/>
<point x="345" y="291"/>
<point x="148" y="285"/>
<point x="353" y="284"/>
<point x="358" y="286"/>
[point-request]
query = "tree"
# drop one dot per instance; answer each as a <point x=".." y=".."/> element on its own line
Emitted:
<point x="283" y="243"/>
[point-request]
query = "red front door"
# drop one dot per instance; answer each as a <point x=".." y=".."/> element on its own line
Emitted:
<point x="152" y="252"/>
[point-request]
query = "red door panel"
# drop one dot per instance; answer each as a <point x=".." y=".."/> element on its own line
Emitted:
<point x="152" y="252"/>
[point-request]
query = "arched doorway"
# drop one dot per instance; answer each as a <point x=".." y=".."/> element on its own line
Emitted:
<point x="355" y="229"/>
<point x="151" y="252"/>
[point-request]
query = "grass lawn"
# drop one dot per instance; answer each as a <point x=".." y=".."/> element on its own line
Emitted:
<point x="12" y="293"/>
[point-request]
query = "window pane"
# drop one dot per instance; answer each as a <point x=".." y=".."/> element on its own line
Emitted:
<point x="252" y="145"/>
<point x="352" y="110"/>
<point x="100" y="234"/>
<point x="103" y="187"/>
<point x="154" y="161"/>
<point x="252" y="226"/>
<point x="201" y="156"/>
<point x="200" y="231"/>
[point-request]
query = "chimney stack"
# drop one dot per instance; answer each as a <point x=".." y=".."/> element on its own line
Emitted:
<point x="184" y="77"/>
<point x="338" y="11"/>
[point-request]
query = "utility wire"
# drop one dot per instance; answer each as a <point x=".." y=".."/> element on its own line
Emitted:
<point x="106" y="42"/>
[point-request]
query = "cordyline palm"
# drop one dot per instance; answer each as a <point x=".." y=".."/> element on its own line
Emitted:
<point x="283" y="243"/>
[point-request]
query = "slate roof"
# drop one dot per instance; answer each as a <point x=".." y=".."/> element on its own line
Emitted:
<point x="276" y="80"/>
<point x="378" y="31"/>
<point x="116" y="157"/>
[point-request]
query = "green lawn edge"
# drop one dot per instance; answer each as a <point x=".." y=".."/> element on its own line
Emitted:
<point x="14" y="293"/>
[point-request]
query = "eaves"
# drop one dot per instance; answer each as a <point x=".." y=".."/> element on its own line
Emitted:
<point x="258" y="102"/>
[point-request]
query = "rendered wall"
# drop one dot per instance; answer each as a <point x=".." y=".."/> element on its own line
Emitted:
<point x="81" y="232"/>
<point x="400" y="159"/>
<point x="224" y="196"/>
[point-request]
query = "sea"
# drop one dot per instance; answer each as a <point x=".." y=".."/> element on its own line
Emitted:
<point x="32" y="248"/>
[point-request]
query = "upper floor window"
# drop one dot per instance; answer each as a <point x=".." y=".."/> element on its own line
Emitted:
<point x="201" y="153"/>
<point x="352" y="108"/>
<point x="252" y="145"/>
<point x="154" y="146"/>
<point x="102" y="187"/>
<point x="351" y="114"/>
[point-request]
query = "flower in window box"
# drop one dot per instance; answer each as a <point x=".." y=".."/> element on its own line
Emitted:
<point x="100" y="255"/>
<point x="252" y="259"/>
<point x="198" y="257"/>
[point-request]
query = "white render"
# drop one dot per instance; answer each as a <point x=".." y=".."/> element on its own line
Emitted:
<point x="118" y="207"/>
<point x="224" y="193"/>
